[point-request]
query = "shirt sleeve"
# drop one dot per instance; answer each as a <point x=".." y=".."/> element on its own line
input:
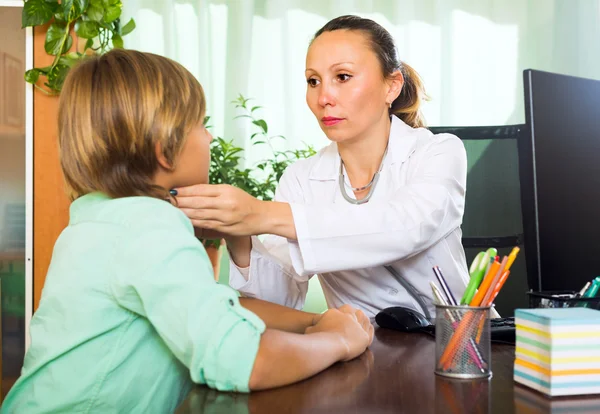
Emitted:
<point x="271" y="275"/>
<point x="200" y="321"/>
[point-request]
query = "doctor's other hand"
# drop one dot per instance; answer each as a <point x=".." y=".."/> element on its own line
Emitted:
<point x="353" y="334"/>
<point x="228" y="210"/>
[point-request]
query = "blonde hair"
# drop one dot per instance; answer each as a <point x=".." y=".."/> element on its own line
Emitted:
<point x="113" y="110"/>
<point x="407" y="106"/>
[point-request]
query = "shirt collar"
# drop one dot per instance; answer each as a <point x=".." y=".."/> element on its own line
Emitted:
<point x="400" y="146"/>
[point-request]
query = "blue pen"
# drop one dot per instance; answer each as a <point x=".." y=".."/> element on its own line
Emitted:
<point x="444" y="285"/>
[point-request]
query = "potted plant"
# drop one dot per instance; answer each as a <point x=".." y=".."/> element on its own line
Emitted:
<point x="98" y="22"/>
<point x="260" y="181"/>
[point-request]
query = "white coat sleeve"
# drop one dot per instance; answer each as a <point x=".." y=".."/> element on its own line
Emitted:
<point x="271" y="276"/>
<point x="421" y="213"/>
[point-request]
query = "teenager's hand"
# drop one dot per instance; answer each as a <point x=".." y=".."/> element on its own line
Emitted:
<point x="345" y="324"/>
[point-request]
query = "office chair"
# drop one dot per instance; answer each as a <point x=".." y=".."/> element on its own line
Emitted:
<point x="493" y="205"/>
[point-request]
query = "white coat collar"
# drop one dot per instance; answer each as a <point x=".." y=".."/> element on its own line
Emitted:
<point x="400" y="146"/>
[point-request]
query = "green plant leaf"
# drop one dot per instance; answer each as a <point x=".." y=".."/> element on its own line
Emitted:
<point x="72" y="9"/>
<point x="86" y="29"/>
<point x="95" y="12"/>
<point x="211" y="243"/>
<point x="59" y="17"/>
<point x="117" y="41"/>
<point x="242" y="116"/>
<point x="32" y="75"/>
<point x="258" y="142"/>
<point x="67" y="5"/>
<point x="56" y="77"/>
<point x="88" y="44"/>
<point x="82" y="4"/>
<point x="69" y="60"/>
<point x="112" y="13"/>
<point x="68" y="44"/>
<point x="54" y="38"/>
<point x="254" y="108"/>
<point x="262" y="124"/>
<point x="128" y="28"/>
<point x="36" y="13"/>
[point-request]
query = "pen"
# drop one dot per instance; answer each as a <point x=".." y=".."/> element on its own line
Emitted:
<point x="583" y="290"/>
<point x="471" y="346"/>
<point x="452" y="346"/>
<point x="437" y="295"/>
<point x="491" y="299"/>
<point x="493" y="252"/>
<point x="487" y="281"/>
<point x="511" y="257"/>
<point x="477" y="271"/>
<point x="593" y="289"/>
<point x="444" y="285"/>
<point x="499" y="286"/>
<point x="491" y="288"/>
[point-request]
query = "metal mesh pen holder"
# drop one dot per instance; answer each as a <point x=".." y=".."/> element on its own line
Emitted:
<point x="462" y="342"/>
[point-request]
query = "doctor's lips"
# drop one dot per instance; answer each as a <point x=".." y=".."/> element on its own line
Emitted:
<point x="331" y="120"/>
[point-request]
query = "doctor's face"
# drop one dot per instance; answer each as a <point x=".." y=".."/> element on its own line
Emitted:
<point x="346" y="88"/>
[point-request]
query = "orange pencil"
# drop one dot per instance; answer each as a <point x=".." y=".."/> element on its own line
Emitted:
<point x="499" y="286"/>
<point x="491" y="299"/>
<point x="494" y="282"/>
<point x="452" y="346"/>
<point x="487" y="281"/>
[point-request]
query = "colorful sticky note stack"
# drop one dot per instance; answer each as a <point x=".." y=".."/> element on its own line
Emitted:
<point x="558" y="350"/>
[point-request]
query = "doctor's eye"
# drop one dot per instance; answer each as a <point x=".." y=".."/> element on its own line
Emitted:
<point x="344" y="77"/>
<point x="312" y="82"/>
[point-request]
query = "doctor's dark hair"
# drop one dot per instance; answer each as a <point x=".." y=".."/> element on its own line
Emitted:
<point x="407" y="106"/>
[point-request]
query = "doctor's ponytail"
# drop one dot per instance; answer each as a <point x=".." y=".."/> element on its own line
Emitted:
<point x="407" y="106"/>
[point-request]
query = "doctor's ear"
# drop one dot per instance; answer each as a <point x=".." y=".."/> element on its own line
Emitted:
<point x="395" y="83"/>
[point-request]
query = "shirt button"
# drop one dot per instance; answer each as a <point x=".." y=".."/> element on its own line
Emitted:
<point x="231" y="302"/>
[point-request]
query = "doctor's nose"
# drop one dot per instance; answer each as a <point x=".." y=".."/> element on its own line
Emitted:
<point x="326" y="98"/>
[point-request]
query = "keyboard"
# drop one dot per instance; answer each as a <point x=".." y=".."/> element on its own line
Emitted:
<point x="502" y="330"/>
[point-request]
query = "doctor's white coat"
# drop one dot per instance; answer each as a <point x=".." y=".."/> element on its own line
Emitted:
<point x="412" y="223"/>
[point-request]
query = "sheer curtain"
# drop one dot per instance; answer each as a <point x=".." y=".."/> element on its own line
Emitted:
<point x="471" y="53"/>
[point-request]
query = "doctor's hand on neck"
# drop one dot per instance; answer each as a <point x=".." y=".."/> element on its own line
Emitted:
<point x="232" y="212"/>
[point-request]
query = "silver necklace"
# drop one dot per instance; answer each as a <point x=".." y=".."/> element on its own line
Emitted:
<point x="372" y="184"/>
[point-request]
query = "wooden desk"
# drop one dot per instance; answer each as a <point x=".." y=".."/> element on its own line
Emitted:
<point x="395" y="376"/>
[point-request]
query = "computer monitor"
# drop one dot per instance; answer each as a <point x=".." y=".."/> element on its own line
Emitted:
<point x="559" y="159"/>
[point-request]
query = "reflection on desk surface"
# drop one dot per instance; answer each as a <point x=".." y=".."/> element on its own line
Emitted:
<point x="335" y="385"/>
<point x="396" y="376"/>
<point x="528" y="401"/>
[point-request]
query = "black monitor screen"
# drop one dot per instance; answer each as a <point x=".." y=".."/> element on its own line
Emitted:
<point x="563" y="118"/>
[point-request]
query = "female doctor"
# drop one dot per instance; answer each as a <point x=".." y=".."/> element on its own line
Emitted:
<point x="371" y="213"/>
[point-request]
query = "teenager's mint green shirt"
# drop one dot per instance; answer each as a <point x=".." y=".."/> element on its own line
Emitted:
<point x="130" y="316"/>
